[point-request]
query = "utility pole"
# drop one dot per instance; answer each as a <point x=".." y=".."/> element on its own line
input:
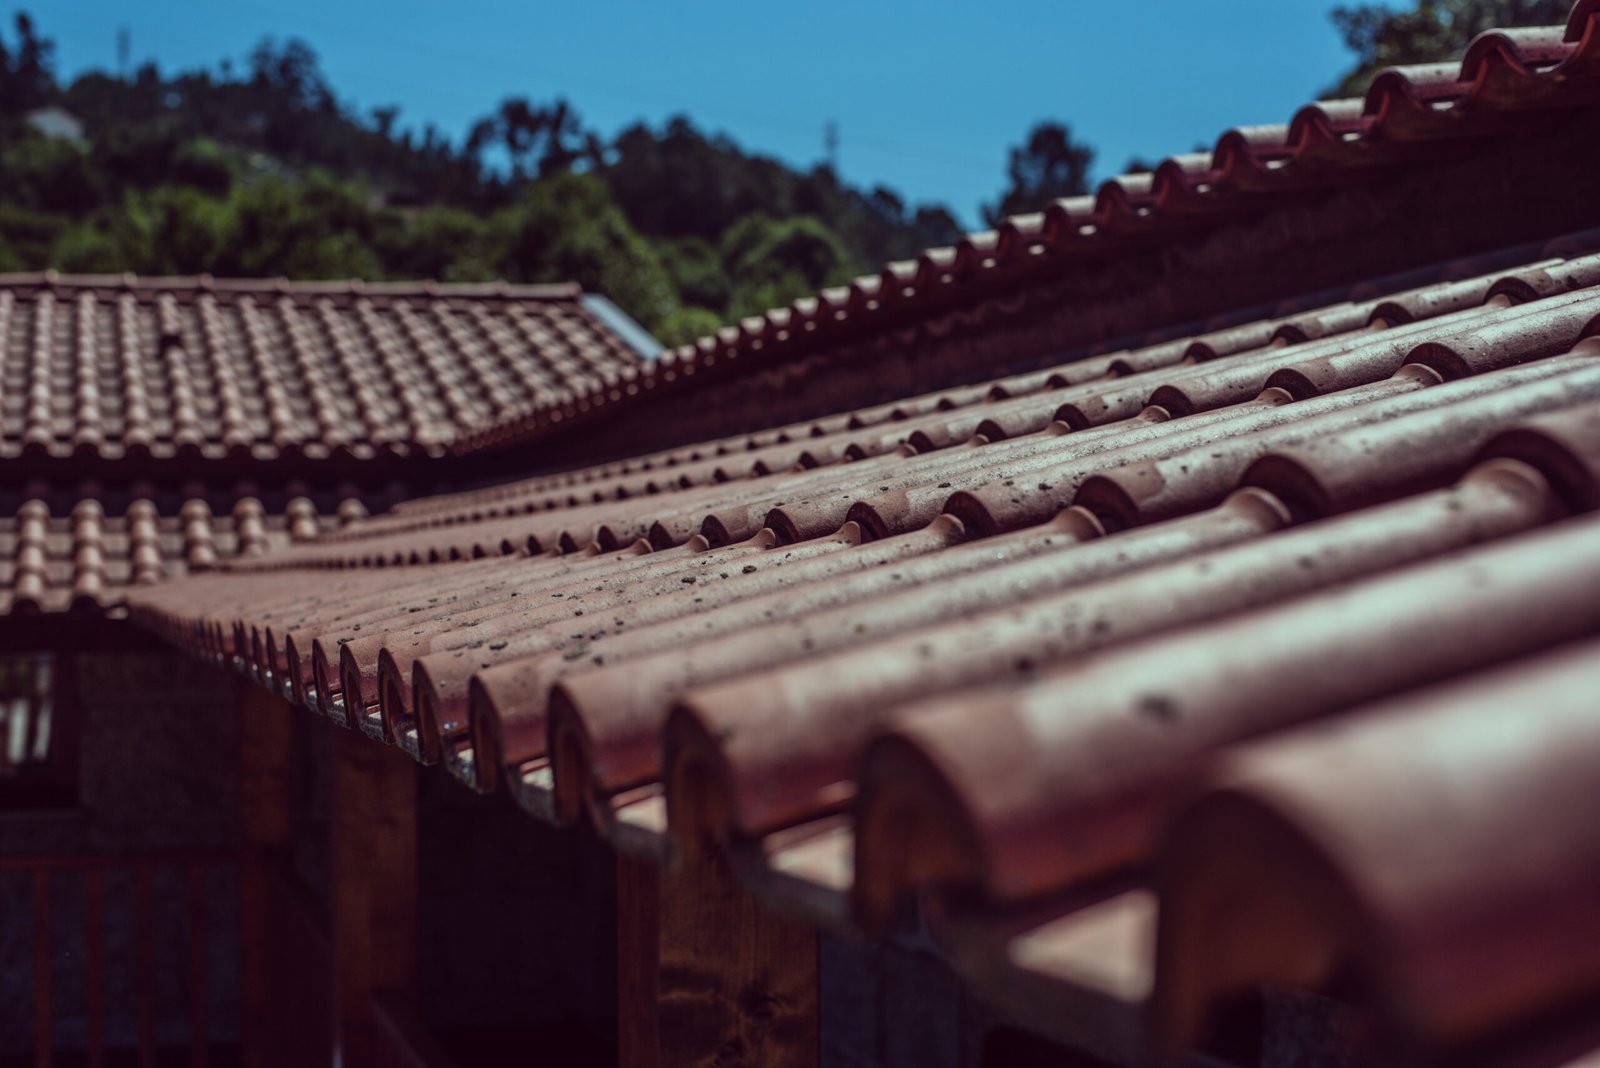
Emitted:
<point x="124" y="47"/>
<point x="830" y="144"/>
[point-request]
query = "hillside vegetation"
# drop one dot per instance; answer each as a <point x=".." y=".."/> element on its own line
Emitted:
<point x="265" y="171"/>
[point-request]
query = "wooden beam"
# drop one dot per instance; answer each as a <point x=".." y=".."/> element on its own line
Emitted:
<point x="638" y="960"/>
<point x="706" y="975"/>
<point x="266" y="827"/>
<point x="372" y="827"/>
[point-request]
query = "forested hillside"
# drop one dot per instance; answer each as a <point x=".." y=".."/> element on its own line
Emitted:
<point x="266" y="171"/>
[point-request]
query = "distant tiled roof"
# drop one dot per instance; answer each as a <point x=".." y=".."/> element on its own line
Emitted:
<point x="126" y="369"/>
<point x="84" y="560"/>
<point x="1000" y="644"/>
<point x="1508" y="80"/>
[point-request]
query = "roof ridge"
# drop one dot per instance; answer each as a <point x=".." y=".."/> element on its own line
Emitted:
<point x="206" y="283"/>
<point x="1501" y="70"/>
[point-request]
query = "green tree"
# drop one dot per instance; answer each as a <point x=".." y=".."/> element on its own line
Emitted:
<point x="567" y="229"/>
<point x="1050" y="165"/>
<point x="265" y="171"/>
<point x="540" y="141"/>
<point x="685" y="325"/>
<point x="773" y="261"/>
<point x="29" y="235"/>
<point x="27" y="70"/>
<point x="318" y="227"/>
<point x="168" y="230"/>
<point x="49" y="174"/>
<point x="696" y="271"/>
<point x="9" y="260"/>
<point x="1433" y="31"/>
<point x="443" y="242"/>
<point x="681" y="182"/>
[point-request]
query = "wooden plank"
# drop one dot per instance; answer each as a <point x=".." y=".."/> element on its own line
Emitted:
<point x="638" y="959"/>
<point x="372" y="823"/>
<point x="38" y="696"/>
<point x="308" y="990"/>
<point x="144" y="910"/>
<point x="199" y="986"/>
<point x="94" y="941"/>
<point x="66" y="721"/>
<point x="43" y="978"/>
<point x="266" y="817"/>
<point x="724" y="981"/>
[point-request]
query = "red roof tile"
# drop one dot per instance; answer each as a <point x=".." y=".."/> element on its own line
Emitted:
<point x="1182" y="666"/>
<point x="1506" y="80"/>
<point x="86" y="560"/>
<point x="1426" y="846"/>
<point x="147" y="369"/>
<point x="863" y="665"/>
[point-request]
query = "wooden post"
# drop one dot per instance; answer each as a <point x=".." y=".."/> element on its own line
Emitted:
<point x="372" y="827"/>
<point x="266" y="799"/>
<point x="638" y="962"/>
<point x="706" y="975"/>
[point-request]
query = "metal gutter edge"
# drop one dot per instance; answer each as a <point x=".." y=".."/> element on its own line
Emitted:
<point x="619" y="322"/>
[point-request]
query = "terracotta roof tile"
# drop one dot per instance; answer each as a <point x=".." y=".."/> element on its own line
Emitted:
<point x="1422" y="850"/>
<point x="1332" y="510"/>
<point x="1077" y="655"/>
<point x="1503" y="78"/>
<point x="85" y="560"/>
<point x="1091" y="751"/>
<point x="848" y="626"/>
<point x="214" y="369"/>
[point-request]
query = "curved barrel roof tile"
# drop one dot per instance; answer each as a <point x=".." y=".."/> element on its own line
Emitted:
<point x="1506" y="79"/>
<point x="995" y="647"/>
<point x="1188" y="665"/>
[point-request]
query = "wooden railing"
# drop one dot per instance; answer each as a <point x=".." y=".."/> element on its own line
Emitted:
<point x="50" y="875"/>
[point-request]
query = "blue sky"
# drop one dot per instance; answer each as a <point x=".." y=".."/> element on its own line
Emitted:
<point x="928" y="96"/>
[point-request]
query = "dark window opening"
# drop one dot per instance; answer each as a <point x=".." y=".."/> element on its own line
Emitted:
<point x="38" y="754"/>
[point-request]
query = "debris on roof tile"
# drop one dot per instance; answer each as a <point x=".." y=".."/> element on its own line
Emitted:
<point x="980" y="646"/>
<point x="1436" y="857"/>
<point x="1250" y="654"/>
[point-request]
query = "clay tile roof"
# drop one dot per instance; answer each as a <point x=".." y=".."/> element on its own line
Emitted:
<point x="141" y="370"/>
<point x="1005" y="626"/>
<point x="1506" y="79"/>
<point x="82" y="557"/>
<point x="1251" y="651"/>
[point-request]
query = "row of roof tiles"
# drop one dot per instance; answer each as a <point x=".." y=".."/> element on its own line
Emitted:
<point x="1395" y="298"/>
<point x="661" y="498"/>
<point x="149" y="369"/>
<point x="1506" y="80"/>
<point x="85" y="561"/>
<point x="1012" y="664"/>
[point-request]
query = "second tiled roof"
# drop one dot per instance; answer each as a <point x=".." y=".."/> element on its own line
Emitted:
<point x="131" y="369"/>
